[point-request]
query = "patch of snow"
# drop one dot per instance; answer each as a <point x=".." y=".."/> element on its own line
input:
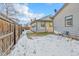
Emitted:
<point x="49" y="45"/>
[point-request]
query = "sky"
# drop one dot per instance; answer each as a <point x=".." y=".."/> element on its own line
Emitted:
<point x="45" y="8"/>
<point x="29" y="11"/>
<point x="39" y="10"/>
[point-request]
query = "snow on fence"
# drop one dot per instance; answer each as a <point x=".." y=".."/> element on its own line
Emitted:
<point x="9" y="34"/>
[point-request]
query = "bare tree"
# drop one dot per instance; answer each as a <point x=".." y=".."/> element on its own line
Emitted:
<point x="10" y="11"/>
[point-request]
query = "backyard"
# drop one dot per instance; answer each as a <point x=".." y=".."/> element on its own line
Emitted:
<point x="47" y="45"/>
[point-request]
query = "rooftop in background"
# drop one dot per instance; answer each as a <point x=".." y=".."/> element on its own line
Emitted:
<point x="43" y="19"/>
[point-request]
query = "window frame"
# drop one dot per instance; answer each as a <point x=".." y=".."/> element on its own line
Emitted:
<point x="42" y="24"/>
<point x="66" y="25"/>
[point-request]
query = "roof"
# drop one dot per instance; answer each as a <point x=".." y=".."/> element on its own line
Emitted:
<point x="43" y="19"/>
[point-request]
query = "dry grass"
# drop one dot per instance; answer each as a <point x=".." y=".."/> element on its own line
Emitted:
<point x="29" y="35"/>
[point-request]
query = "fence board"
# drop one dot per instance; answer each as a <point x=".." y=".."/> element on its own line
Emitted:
<point x="1" y="37"/>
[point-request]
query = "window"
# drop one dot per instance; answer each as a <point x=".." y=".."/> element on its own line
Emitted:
<point x="69" y="21"/>
<point x="33" y="26"/>
<point x="42" y="24"/>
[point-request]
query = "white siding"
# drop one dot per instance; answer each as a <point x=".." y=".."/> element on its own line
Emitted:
<point x="59" y="21"/>
<point x="34" y="27"/>
<point x="39" y="28"/>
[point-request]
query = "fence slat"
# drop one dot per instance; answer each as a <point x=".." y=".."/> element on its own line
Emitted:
<point x="1" y="37"/>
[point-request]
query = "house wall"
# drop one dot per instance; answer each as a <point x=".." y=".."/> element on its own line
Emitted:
<point x="48" y="27"/>
<point x="59" y="21"/>
<point x="34" y="27"/>
<point x="40" y="28"/>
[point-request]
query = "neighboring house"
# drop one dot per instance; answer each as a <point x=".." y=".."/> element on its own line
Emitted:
<point x="66" y="19"/>
<point x="44" y="24"/>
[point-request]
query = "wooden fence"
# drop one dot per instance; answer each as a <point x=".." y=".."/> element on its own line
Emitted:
<point x="17" y="31"/>
<point x="9" y="35"/>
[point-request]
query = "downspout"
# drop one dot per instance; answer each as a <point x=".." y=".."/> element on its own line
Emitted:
<point x="52" y="18"/>
<point x="53" y="25"/>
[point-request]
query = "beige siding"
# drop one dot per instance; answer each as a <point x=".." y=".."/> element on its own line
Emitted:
<point x="59" y="21"/>
<point x="49" y="28"/>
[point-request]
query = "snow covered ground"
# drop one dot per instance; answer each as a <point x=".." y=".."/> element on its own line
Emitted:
<point x="50" y="45"/>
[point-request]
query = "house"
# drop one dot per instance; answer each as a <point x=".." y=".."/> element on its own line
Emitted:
<point x="66" y="20"/>
<point x="44" y="24"/>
